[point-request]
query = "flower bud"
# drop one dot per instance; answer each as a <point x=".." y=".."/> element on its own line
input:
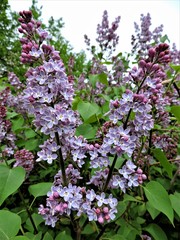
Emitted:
<point x="101" y="219"/>
<point x="98" y="210"/>
<point x="65" y="205"/>
<point x="107" y="217"/>
<point x="151" y="52"/>
<point x="139" y="171"/>
<point x="158" y="86"/>
<point x="20" y="30"/>
<point x="105" y="209"/>
<point x="155" y="67"/>
<point x="24" y="26"/>
<point x="142" y="64"/>
<point x="144" y="177"/>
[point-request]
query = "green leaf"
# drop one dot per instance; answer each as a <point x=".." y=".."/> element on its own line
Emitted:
<point x="176" y="111"/>
<point x="127" y="230"/>
<point x="161" y="157"/>
<point x="89" y="228"/>
<point x="156" y="232"/>
<point x="130" y="198"/>
<point x="119" y="162"/>
<point x="88" y="111"/>
<point x="164" y="38"/>
<point x="175" y="201"/>
<point x="63" y="236"/>
<point x="10" y="180"/>
<point x="159" y="199"/>
<point x="94" y="78"/>
<point x="10" y="115"/>
<point x="29" y="133"/>
<point x="86" y="130"/>
<point x="9" y="224"/>
<point x="21" y="238"/>
<point x="117" y="237"/>
<point x="121" y="208"/>
<point x="17" y="123"/>
<point x="152" y="211"/>
<point x="37" y="220"/>
<point x="175" y="67"/>
<point x="32" y="144"/>
<point x="47" y="236"/>
<point x="103" y="78"/>
<point x="75" y="102"/>
<point x="141" y="209"/>
<point x="40" y="189"/>
<point x="34" y="237"/>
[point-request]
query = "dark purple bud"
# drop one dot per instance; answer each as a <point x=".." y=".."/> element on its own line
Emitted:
<point x="20" y="30"/>
<point x="21" y="13"/>
<point x="24" y="26"/>
<point x="152" y="52"/>
<point x="162" y="54"/>
<point x="116" y="104"/>
<point x="30" y="25"/>
<point x="155" y="67"/>
<point x="39" y="24"/>
<point x="21" y="20"/>
<point x="148" y="65"/>
<point x="142" y="64"/>
<point x="158" y="86"/>
<point x="55" y="195"/>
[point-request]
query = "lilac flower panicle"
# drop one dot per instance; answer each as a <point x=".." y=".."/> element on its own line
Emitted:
<point x="25" y="159"/>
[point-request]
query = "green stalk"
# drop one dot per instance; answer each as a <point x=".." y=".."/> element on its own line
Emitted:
<point x="28" y="212"/>
<point x="61" y="160"/>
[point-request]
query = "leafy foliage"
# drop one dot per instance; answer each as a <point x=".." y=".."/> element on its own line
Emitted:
<point x="88" y="149"/>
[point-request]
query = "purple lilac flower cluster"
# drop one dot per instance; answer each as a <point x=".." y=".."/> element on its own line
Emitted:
<point x="48" y="96"/>
<point x="144" y="36"/>
<point x="63" y="200"/>
<point x="7" y="138"/>
<point x="128" y="177"/>
<point x="125" y="178"/>
<point x="25" y="159"/>
<point x="14" y="81"/>
<point x="150" y="93"/>
<point x="165" y="142"/>
<point x="107" y="38"/>
<point x="139" y="104"/>
<point x="30" y="47"/>
<point x="49" y="92"/>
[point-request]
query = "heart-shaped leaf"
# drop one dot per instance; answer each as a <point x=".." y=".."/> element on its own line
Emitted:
<point x="10" y="180"/>
<point x="40" y="189"/>
<point x="9" y="224"/>
<point x="159" y="199"/>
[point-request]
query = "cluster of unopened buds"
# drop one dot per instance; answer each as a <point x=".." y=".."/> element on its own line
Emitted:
<point x="25" y="159"/>
<point x="7" y="137"/>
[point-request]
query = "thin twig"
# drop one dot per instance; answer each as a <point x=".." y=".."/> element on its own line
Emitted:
<point x="28" y="212"/>
<point x="61" y="160"/>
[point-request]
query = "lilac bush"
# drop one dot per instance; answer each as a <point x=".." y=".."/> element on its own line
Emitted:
<point x="100" y="142"/>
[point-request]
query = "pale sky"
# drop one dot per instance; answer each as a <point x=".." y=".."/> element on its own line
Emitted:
<point x="82" y="17"/>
